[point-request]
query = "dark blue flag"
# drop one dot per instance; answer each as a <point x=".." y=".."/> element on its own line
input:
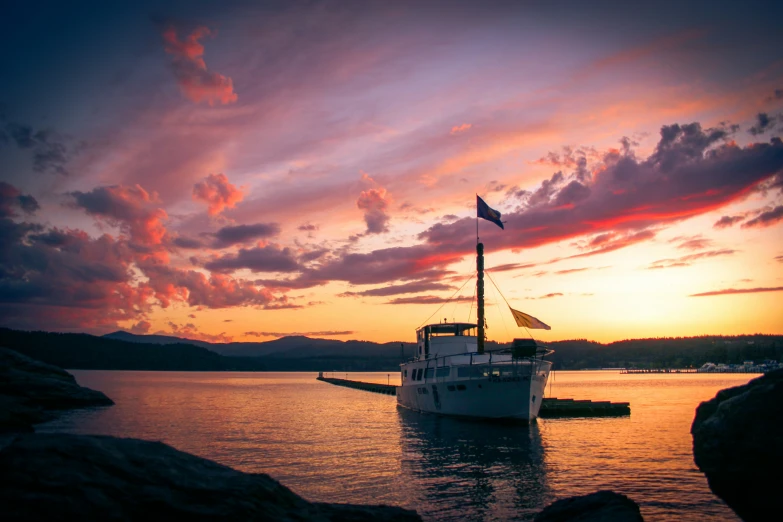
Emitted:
<point x="488" y="213"/>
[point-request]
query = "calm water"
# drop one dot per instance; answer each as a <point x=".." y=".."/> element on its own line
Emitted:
<point x="335" y="444"/>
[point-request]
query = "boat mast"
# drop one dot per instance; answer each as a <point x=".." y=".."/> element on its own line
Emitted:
<point x="480" y="293"/>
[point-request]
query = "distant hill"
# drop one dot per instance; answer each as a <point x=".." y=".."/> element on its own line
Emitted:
<point x="121" y="335"/>
<point x="126" y="351"/>
<point x="88" y="352"/>
<point x="290" y="347"/>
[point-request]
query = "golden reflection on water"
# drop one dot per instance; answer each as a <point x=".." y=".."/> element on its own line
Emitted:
<point x="336" y="444"/>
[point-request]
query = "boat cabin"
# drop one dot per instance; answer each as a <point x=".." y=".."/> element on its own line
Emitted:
<point x="438" y="340"/>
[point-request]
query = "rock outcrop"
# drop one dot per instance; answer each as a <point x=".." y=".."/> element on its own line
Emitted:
<point x="78" y="477"/>
<point x="738" y="444"/>
<point x="601" y="506"/>
<point x="32" y="392"/>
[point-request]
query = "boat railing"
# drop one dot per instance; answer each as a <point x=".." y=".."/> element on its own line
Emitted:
<point x="433" y="361"/>
<point x="541" y="351"/>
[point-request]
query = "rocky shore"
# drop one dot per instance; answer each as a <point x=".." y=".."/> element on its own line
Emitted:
<point x="32" y="391"/>
<point x="83" y="477"/>
<point x="595" y="507"/>
<point x="738" y="444"/>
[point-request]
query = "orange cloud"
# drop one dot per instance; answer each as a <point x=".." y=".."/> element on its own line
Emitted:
<point x="129" y="207"/>
<point x="460" y="129"/>
<point x="216" y="191"/>
<point x="194" y="79"/>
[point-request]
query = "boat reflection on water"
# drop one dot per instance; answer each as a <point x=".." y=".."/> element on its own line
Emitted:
<point x="473" y="470"/>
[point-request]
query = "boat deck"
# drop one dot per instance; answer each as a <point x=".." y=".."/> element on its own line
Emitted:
<point x="550" y="407"/>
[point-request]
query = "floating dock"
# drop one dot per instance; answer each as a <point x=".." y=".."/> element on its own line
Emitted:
<point x="550" y="407"/>
<point x="660" y="370"/>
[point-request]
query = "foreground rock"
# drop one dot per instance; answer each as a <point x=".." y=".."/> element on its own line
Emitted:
<point x="601" y="506"/>
<point x="78" y="477"/>
<point x="32" y="392"/>
<point x="738" y="444"/>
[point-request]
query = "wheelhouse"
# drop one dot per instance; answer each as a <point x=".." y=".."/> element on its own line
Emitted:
<point x="442" y="339"/>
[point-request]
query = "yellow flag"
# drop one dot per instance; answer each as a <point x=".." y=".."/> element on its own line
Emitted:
<point x="528" y="321"/>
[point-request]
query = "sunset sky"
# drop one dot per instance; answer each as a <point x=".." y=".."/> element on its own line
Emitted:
<point x="247" y="170"/>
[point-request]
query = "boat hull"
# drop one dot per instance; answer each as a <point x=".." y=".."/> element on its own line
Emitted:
<point x="484" y="398"/>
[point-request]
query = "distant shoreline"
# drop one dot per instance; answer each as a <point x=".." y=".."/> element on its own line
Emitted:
<point x="126" y="351"/>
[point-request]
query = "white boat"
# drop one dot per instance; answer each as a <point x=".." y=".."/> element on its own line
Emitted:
<point x="452" y="374"/>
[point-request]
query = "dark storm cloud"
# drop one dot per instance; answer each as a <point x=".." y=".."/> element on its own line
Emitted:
<point x="692" y="171"/>
<point x="571" y="194"/>
<point x="764" y="123"/>
<point x="50" y="151"/>
<point x="187" y="242"/>
<point x="232" y="235"/>
<point x="766" y="219"/>
<point x="11" y="198"/>
<point x="258" y="259"/>
<point x="727" y="221"/>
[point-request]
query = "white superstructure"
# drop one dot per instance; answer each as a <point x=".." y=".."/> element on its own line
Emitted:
<point x="449" y="376"/>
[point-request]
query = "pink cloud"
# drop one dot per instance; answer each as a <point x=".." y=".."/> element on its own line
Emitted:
<point x="131" y="208"/>
<point x="687" y="260"/>
<point x="216" y="191"/>
<point x="460" y="128"/>
<point x="429" y="300"/>
<point x="374" y="203"/>
<point x="729" y="291"/>
<point x="194" y="79"/>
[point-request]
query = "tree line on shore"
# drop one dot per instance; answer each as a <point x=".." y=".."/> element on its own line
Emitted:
<point x="83" y="351"/>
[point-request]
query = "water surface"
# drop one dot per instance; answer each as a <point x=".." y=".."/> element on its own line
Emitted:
<point x="336" y="444"/>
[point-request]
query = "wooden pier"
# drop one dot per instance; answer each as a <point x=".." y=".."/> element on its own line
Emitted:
<point x="550" y="407"/>
<point x="387" y="389"/>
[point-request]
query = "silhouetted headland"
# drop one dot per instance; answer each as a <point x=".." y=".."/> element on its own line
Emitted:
<point x="738" y="444"/>
<point x="32" y="392"/>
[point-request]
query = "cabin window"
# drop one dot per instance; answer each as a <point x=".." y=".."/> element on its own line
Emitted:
<point x="405" y="374"/>
<point x="469" y="371"/>
<point x="429" y="373"/>
<point x="450" y="387"/>
<point x="418" y="373"/>
<point x="461" y="387"/>
<point x="443" y="371"/>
